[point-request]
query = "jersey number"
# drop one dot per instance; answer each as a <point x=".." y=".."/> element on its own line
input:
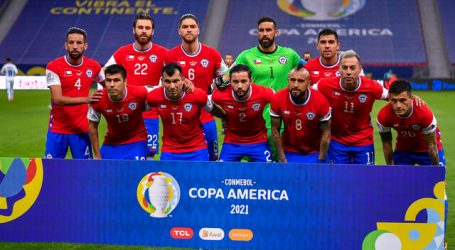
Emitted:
<point x="407" y="133"/>
<point x="122" y="118"/>
<point x="78" y="84"/>
<point x="140" y="69"/>
<point x="242" y="117"/>
<point x="271" y="72"/>
<point x="348" y="107"/>
<point x="177" y="117"/>
<point x="298" y="124"/>
<point x="191" y="74"/>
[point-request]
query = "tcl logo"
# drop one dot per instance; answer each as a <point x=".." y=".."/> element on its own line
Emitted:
<point x="183" y="233"/>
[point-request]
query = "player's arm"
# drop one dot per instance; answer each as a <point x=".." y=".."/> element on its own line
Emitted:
<point x="276" y="137"/>
<point x="93" y="121"/>
<point x="386" y="138"/>
<point x="214" y="108"/>
<point x="324" y="126"/>
<point x="430" y="138"/>
<point x="60" y="99"/>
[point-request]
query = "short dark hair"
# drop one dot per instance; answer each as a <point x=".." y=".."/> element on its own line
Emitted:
<point x="76" y="30"/>
<point x="399" y="86"/>
<point x="8" y="59"/>
<point x="186" y="16"/>
<point x="267" y="19"/>
<point x="170" y="68"/>
<point x="327" y="32"/>
<point x="114" y="69"/>
<point x="143" y="17"/>
<point x="240" y="68"/>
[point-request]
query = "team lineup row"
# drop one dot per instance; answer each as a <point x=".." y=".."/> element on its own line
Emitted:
<point x="274" y="104"/>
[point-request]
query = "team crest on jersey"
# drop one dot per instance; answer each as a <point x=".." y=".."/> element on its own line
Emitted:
<point x="153" y="58"/>
<point x="416" y="127"/>
<point x="256" y="106"/>
<point x="362" y="98"/>
<point x="89" y="73"/>
<point x="337" y="74"/>
<point x="205" y="63"/>
<point x="310" y="115"/>
<point x="282" y="60"/>
<point x="132" y="105"/>
<point x="188" y="107"/>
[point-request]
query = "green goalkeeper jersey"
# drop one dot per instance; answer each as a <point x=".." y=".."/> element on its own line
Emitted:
<point x="270" y="69"/>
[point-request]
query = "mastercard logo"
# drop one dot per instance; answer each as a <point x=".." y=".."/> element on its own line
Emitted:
<point x="237" y="234"/>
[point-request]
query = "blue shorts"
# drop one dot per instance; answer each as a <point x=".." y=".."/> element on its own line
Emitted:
<point x="57" y="146"/>
<point x="199" y="155"/>
<point x="153" y="132"/>
<point x="211" y="136"/>
<point x="130" y="151"/>
<point x="303" y="158"/>
<point x="406" y="158"/>
<point x="235" y="152"/>
<point x="342" y="154"/>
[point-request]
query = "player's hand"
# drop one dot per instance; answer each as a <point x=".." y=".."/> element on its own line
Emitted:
<point x="189" y="85"/>
<point x="283" y="160"/>
<point x="97" y="157"/>
<point x="221" y="83"/>
<point x="419" y="101"/>
<point x="95" y="97"/>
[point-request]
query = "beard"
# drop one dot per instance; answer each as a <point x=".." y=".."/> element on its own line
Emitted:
<point x="142" y="40"/>
<point x="75" y="55"/>
<point x="266" y="42"/>
<point x="189" y="39"/>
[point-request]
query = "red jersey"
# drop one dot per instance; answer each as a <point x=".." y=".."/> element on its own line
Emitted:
<point x="318" y="70"/>
<point x="411" y="129"/>
<point x="302" y="133"/>
<point x="143" y="67"/>
<point x="244" y="120"/>
<point x="351" y="122"/>
<point x="124" y="118"/>
<point x="75" y="81"/>
<point x="182" y="130"/>
<point x="200" y="67"/>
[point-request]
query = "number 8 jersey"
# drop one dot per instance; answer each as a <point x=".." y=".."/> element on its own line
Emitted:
<point x="75" y="81"/>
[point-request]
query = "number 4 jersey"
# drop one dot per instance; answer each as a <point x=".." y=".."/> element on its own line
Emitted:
<point x="75" y="81"/>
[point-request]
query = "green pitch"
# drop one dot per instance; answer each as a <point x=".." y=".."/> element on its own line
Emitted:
<point x="24" y="125"/>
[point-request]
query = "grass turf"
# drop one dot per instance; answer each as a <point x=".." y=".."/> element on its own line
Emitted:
<point x="24" y="126"/>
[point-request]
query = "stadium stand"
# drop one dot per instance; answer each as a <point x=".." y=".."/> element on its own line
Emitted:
<point x="446" y="9"/>
<point x="38" y="34"/>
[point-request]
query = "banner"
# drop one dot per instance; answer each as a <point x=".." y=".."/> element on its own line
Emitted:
<point x="26" y="82"/>
<point x="221" y="205"/>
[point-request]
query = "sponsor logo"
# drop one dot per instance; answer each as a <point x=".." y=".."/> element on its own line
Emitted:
<point x="182" y="233"/>
<point x="282" y="60"/>
<point x="321" y="10"/>
<point x="211" y="233"/>
<point x="158" y="193"/>
<point x="20" y="185"/>
<point x="132" y="106"/>
<point x="119" y="110"/>
<point x="153" y="58"/>
<point x="237" y="234"/>
<point x="188" y="107"/>
<point x="256" y="106"/>
<point x="362" y="98"/>
<point x="310" y="115"/>
<point x="89" y="73"/>
<point x="205" y="63"/>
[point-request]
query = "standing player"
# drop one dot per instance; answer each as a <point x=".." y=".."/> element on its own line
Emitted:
<point x="306" y="116"/>
<point x="122" y="106"/>
<point x="244" y="102"/>
<point x="183" y="137"/>
<point x="351" y="97"/>
<point x="228" y="60"/>
<point x="69" y="79"/>
<point x="327" y="63"/>
<point x="200" y="64"/>
<point x="9" y="70"/>
<point x="143" y="60"/>
<point x="269" y="63"/>
<point x="418" y="136"/>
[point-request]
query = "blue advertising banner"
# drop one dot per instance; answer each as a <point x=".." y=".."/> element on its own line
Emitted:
<point x="221" y="205"/>
<point x="383" y="32"/>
